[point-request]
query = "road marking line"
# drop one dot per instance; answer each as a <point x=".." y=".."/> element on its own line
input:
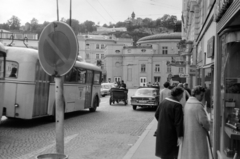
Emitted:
<point x="38" y="152"/>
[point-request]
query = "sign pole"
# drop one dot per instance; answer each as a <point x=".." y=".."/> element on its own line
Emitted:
<point x="59" y="115"/>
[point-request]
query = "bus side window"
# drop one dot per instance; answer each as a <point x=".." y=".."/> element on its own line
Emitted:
<point x="97" y="78"/>
<point x="71" y="76"/>
<point x="11" y="69"/>
<point x="81" y="76"/>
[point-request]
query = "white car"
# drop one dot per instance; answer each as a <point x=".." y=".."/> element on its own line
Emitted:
<point x="105" y="88"/>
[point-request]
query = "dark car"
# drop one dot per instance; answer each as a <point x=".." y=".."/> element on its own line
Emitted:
<point x="145" y="97"/>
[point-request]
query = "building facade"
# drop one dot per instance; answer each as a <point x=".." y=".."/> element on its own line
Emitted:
<point x="213" y="27"/>
<point x="92" y="48"/>
<point x="147" y="62"/>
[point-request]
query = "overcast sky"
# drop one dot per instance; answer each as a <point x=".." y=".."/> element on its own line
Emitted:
<point x="102" y="11"/>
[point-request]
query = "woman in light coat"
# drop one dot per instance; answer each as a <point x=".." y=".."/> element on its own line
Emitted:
<point x="196" y="127"/>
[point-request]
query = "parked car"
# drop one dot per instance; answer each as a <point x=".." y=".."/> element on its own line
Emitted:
<point x="145" y="97"/>
<point x="105" y="88"/>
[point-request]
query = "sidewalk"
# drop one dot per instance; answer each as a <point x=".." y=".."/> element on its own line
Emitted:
<point x="144" y="148"/>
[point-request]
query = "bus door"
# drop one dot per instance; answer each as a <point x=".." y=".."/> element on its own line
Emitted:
<point x="88" y="89"/>
<point x="41" y="93"/>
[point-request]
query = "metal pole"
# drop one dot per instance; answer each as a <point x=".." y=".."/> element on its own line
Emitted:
<point x="59" y="115"/>
<point x="57" y="12"/>
<point x="70" y="22"/>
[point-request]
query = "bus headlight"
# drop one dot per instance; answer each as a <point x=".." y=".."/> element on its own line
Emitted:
<point x="16" y="105"/>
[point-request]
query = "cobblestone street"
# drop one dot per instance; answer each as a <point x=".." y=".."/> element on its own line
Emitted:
<point x="107" y="133"/>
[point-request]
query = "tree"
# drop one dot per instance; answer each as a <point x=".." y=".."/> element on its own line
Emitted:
<point x="74" y="25"/>
<point x="14" y="23"/>
<point x="146" y="22"/>
<point x="4" y="26"/>
<point x="133" y="15"/>
<point x="34" y="24"/>
<point x="90" y="26"/>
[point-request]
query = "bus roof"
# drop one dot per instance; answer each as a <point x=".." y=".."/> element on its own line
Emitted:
<point x="20" y="55"/>
<point x="86" y="65"/>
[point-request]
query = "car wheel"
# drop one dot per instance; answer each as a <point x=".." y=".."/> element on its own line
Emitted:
<point x="134" y="107"/>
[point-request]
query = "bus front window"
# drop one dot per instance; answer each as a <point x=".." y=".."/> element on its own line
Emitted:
<point x="11" y="69"/>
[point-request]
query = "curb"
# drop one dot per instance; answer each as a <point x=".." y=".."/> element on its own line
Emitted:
<point x="134" y="148"/>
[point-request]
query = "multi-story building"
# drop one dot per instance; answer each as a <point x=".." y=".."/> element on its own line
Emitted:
<point x="92" y="48"/>
<point x="147" y="62"/>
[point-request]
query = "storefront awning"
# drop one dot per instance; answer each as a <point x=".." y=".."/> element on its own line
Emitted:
<point x="208" y="65"/>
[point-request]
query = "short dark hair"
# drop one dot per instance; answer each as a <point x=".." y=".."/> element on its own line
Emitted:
<point x="176" y="91"/>
<point x="166" y="84"/>
<point x="197" y="90"/>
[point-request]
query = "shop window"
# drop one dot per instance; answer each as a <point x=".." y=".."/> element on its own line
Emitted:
<point x="11" y="69"/>
<point x="165" y="50"/>
<point x="143" y="68"/>
<point x="97" y="76"/>
<point x="157" y="68"/>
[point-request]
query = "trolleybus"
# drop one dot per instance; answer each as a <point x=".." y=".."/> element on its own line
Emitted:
<point x="30" y="93"/>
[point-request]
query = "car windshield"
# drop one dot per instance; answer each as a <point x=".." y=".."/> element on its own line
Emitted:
<point x="106" y="86"/>
<point x="146" y="92"/>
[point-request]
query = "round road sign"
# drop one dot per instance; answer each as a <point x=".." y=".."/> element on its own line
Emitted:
<point x="58" y="48"/>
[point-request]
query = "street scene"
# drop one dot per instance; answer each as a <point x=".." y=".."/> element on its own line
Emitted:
<point x="120" y="79"/>
<point x="107" y="133"/>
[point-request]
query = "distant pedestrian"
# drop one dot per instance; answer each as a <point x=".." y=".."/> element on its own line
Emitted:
<point x="185" y="86"/>
<point x="149" y="84"/>
<point x="170" y="125"/>
<point x="165" y="92"/>
<point x="196" y="127"/>
<point x="185" y="95"/>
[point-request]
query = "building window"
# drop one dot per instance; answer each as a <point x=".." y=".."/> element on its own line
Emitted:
<point x="165" y="50"/>
<point x="169" y="70"/>
<point x="117" y="51"/>
<point x="102" y="46"/>
<point x="97" y="56"/>
<point x="180" y="69"/>
<point x="87" y="56"/>
<point x="157" y="68"/>
<point x="102" y="56"/>
<point x="97" y="46"/>
<point x="87" y="46"/>
<point x="157" y="79"/>
<point x="143" y="68"/>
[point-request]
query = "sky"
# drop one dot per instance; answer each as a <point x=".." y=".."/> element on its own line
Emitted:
<point x="99" y="11"/>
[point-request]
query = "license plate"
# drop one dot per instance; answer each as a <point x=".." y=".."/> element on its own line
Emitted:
<point x="142" y="101"/>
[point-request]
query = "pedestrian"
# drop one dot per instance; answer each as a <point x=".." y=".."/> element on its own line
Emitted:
<point x="196" y="127"/>
<point x="165" y="92"/>
<point x="149" y="84"/>
<point x="123" y="85"/>
<point x="170" y="125"/>
<point x="185" y="86"/>
<point x="185" y="95"/>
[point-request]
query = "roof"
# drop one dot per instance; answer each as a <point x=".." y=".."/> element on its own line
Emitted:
<point x="175" y="35"/>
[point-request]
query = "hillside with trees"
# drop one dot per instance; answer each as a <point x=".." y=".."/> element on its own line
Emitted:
<point x="136" y="27"/>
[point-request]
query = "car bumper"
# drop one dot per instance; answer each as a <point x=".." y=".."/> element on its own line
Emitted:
<point x="144" y="104"/>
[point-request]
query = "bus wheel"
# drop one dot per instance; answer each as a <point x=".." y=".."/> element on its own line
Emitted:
<point x="134" y="107"/>
<point x="93" y="109"/>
